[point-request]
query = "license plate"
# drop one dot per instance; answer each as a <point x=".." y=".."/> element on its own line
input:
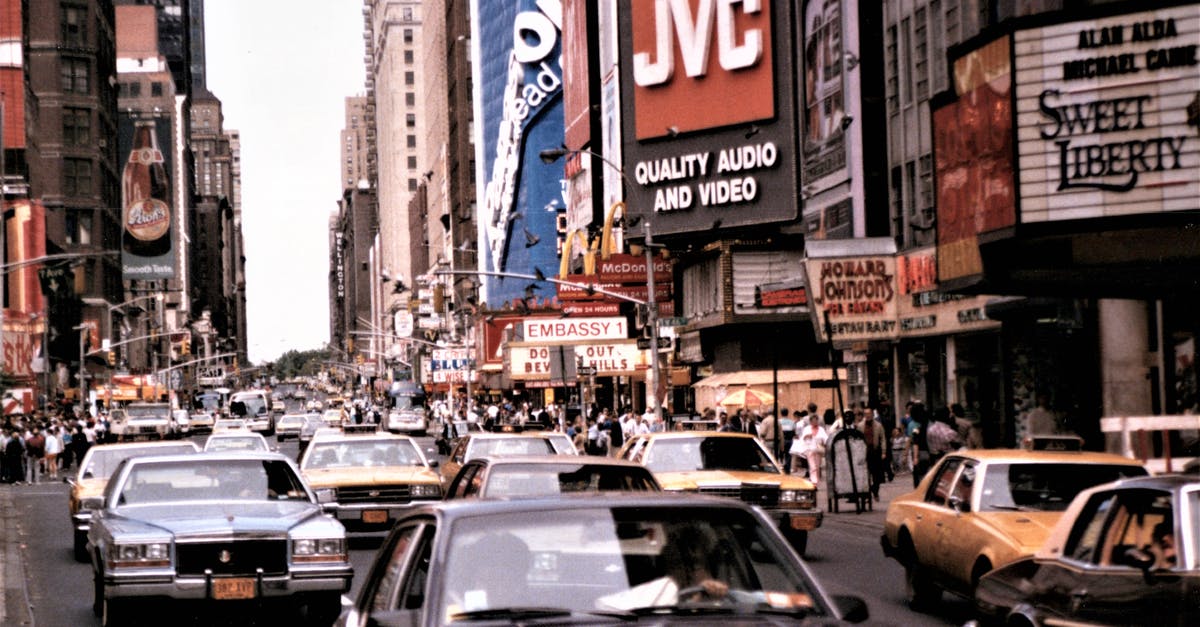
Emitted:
<point x="233" y="588"/>
<point x="804" y="523"/>
<point x="374" y="516"/>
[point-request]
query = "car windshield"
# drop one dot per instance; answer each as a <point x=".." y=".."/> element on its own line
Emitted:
<point x="289" y="421"/>
<point x="619" y="559"/>
<point x="539" y="479"/>
<point x="361" y="453"/>
<point x="134" y="412"/>
<point x="712" y="453"/>
<point x="211" y="480"/>
<point x="500" y="447"/>
<point x="235" y="444"/>
<point x="1044" y="486"/>
<point x="103" y="460"/>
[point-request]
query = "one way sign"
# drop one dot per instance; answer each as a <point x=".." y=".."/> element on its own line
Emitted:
<point x="54" y="280"/>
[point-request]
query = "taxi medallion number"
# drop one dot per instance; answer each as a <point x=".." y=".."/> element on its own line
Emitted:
<point x="233" y="588"/>
<point x="374" y="516"/>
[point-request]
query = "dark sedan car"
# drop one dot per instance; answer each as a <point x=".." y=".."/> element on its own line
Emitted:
<point x="616" y="558"/>
<point x="1126" y="552"/>
<point x="220" y="530"/>
<point x="491" y="477"/>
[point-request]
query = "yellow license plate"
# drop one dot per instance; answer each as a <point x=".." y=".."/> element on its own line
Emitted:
<point x="804" y="523"/>
<point x="233" y="588"/>
<point x="374" y="516"/>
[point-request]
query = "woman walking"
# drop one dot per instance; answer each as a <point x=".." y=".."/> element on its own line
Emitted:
<point x="813" y="438"/>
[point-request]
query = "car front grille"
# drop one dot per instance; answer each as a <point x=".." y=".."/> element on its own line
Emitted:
<point x="754" y="494"/>
<point x="350" y="495"/>
<point x="237" y="557"/>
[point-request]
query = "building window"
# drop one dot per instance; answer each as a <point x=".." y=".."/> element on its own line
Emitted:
<point x="77" y="127"/>
<point x="412" y="163"/>
<point x="410" y="78"/>
<point x="408" y="35"/>
<point x="407" y="14"/>
<point x="410" y="99"/>
<point x="79" y="227"/>
<point x="897" y="201"/>
<point x="77" y="177"/>
<point x="74" y="75"/>
<point x="921" y="54"/>
<point x="893" y="72"/>
<point x="412" y="185"/>
<point x="410" y="120"/>
<point x="411" y="141"/>
<point x="925" y="200"/>
<point x="906" y="86"/>
<point x="408" y="57"/>
<point x="135" y="91"/>
<point x="156" y="89"/>
<point x="74" y="25"/>
<point x="953" y="26"/>
<point x="937" y="42"/>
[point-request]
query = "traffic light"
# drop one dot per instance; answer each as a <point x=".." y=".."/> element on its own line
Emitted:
<point x="185" y="347"/>
<point x="112" y="357"/>
<point x="439" y="297"/>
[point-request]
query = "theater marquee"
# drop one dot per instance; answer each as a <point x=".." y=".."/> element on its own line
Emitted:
<point x="1103" y="118"/>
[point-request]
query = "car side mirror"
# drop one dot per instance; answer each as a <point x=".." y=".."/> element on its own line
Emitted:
<point x="853" y="609"/>
<point x="957" y="504"/>
<point x="433" y="463"/>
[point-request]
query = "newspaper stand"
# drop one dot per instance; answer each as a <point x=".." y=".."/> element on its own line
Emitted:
<point x="847" y="476"/>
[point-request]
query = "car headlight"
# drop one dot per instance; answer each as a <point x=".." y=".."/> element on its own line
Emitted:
<point x="319" y="550"/>
<point x="326" y="495"/>
<point x="91" y="502"/>
<point x="427" y="490"/>
<point x="139" y="554"/>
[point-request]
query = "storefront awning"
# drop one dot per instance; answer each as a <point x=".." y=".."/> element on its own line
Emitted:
<point x="765" y="377"/>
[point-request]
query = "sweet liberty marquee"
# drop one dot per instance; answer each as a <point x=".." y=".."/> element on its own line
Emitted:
<point x="1103" y="118"/>
<point x="708" y="140"/>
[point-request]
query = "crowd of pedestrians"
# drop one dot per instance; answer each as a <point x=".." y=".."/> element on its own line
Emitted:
<point x="40" y="446"/>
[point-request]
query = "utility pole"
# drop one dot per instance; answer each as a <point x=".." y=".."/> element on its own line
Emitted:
<point x="652" y="322"/>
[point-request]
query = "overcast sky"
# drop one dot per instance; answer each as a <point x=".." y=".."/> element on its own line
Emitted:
<point x="282" y="69"/>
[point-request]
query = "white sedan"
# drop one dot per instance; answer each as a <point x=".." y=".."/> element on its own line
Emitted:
<point x="236" y="441"/>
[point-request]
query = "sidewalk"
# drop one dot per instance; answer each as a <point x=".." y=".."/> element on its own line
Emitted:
<point x="14" y="601"/>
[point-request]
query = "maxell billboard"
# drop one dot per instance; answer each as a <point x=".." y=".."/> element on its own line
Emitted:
<point x="519" y="113"/>
<point x="1107" y="115"/>
<point x="708" y="133"/>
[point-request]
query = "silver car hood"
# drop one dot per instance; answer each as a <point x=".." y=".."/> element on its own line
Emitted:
<point x="220" y="518"/>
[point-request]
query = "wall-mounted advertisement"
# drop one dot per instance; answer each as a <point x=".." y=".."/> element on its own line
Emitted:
<point x="519" y="113"/>
<point x="973" y="159"/>
<point x="1106" y="115"/>
<point x="708" y="114"/>
<point x="853" y="289"/>
<point x="147" y="206"/>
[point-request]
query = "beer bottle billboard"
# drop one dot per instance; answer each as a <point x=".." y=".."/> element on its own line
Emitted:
<point x="146" y="208"/>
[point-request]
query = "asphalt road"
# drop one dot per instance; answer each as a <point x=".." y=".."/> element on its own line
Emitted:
<point x="51" y="588"/>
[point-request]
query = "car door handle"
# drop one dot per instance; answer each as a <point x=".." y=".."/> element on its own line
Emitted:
<point x="920" y="517"/>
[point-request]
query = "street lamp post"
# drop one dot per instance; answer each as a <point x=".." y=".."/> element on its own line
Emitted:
<point x="551" y="155"/>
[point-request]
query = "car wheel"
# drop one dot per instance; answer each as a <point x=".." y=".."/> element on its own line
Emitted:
<point x="98" y="594"/>
<point x="115" y="612"/>
<point x="982" y="567"/>
<point x="920" y="592"/>
<point x="81" y="553"/>
<point x="798" y="540"/>
<point x="322" y="609"/>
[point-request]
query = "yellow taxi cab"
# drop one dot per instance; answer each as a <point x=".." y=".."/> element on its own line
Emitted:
<point x="981" y="509"/>
<point x="367" y="480"/>
<point x="733" y="465"/>
<point x="98" y="464"/>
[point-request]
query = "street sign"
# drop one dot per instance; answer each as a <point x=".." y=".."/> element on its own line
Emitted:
<point x="643" y="343"/>
<point x="53" y="279"/>
<point x="585" y="371"/>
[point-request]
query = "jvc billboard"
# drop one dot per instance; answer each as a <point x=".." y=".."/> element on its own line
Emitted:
<point x="518" y="108"/>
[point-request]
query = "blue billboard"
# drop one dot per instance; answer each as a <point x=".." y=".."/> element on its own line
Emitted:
<point x="519" y="113"/>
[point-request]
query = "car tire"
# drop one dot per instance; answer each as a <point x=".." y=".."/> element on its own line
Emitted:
<point x="798" y="540"/>
<point x="81" y="552"/>
<point x="920" y="592"/>
<point x="321" y="609"/>
<point x="97" y="594"/>
<point x="115" y="612"/>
